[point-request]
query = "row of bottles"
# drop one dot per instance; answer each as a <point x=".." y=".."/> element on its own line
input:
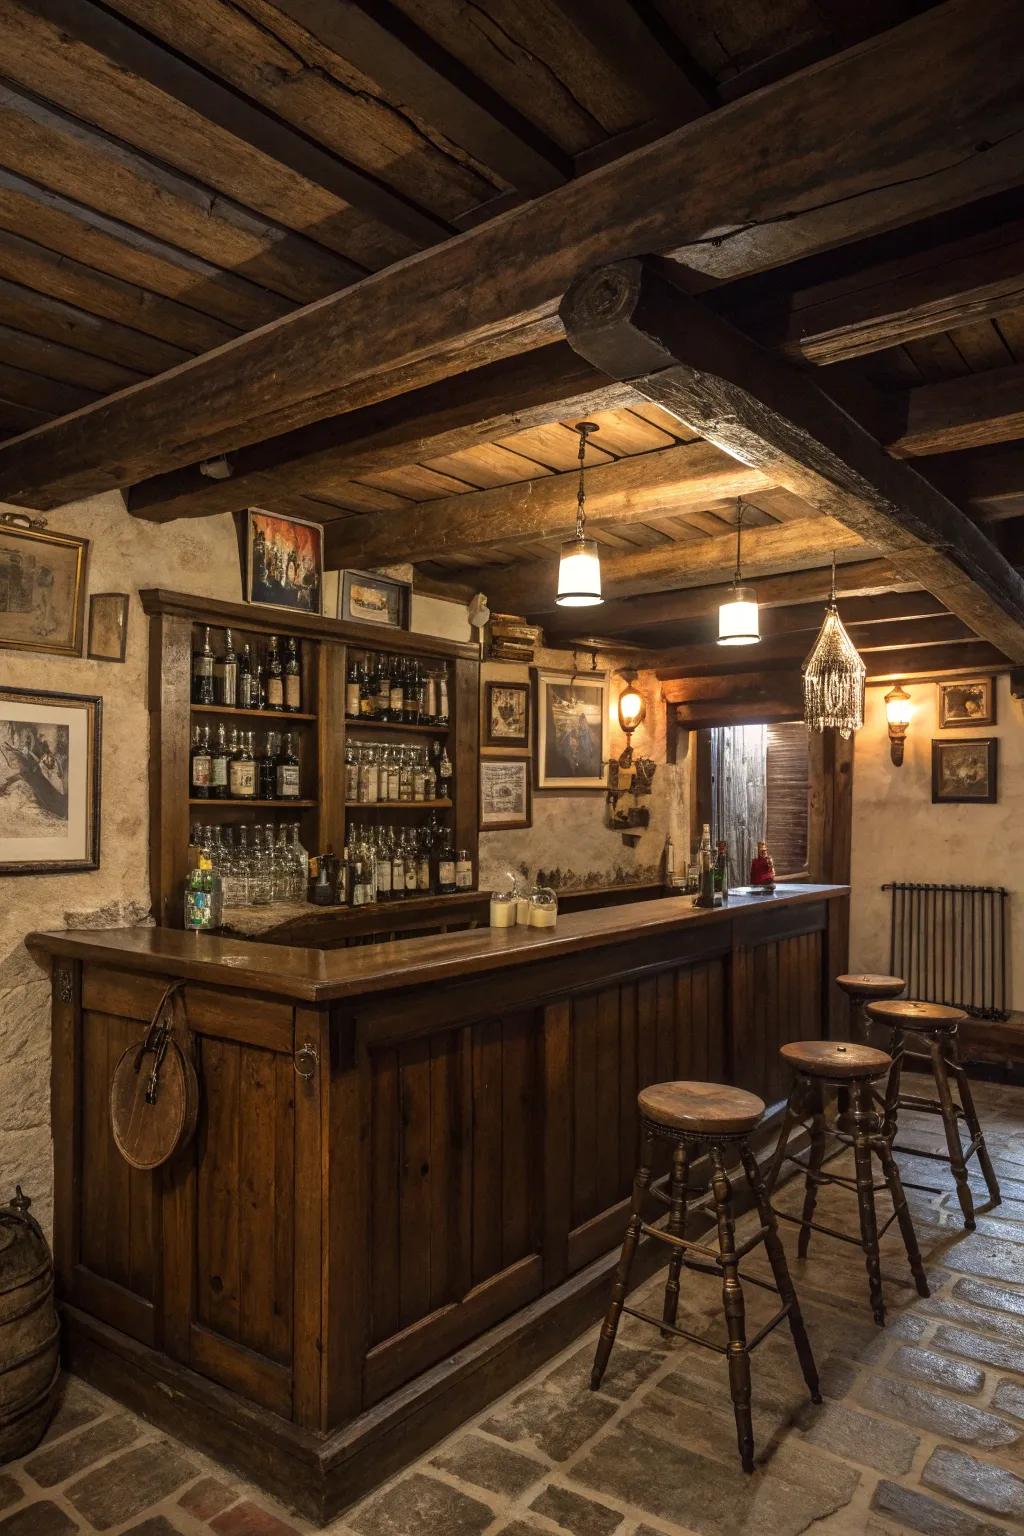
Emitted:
<point x="713" y="870"/>
<point x="231" y="768"/>
<point x="396" y="688"/>
<point x="249" y="678"/>
<point x="390" y="863"/>
<point x="254" y="866"/>
<point x="377" y="772"/>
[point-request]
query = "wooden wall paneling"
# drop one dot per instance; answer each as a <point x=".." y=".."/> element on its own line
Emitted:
<point x="717" y="1040"/>
<point x="646" y="1032"/>
<point x="584" y="1118"/>
<point x="309" y="1354"/>
<point x="688" y="1050"/>
<point x="607" y="1058"/>
<point x="557" y="1163"/>
<point x="342" y="1265"/>
<point x="414" y="1212"/>
<point x="451" y="1182"/>
<point x="487" y="1121"/>
<point x="629" y="1085"/>
<point x="385" y="1155"/>
<point x="740" y="1026"/>
<point x="66" y="1118"/>
<point x="218" y="1210"/>
<point x="520" y="1193"/>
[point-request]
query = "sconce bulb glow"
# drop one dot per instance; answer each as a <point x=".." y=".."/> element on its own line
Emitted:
<point x="631" y="709"/>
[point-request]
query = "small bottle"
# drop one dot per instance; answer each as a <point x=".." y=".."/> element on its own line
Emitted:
<point x="442" y="697"/>
<point x="202" y="670"/>
<point x="225" y="674"/>
<point x="405" y="775"/>
<point x="409" y="860"/>
<point x="446" y="880"/>
<point x="444" y="775"/>
<point x="275" y="677"/>
<point x="242" y="771"/>
<point x="287" y="771"/>
<point x="762" y="868"/>
<point x="351" y="772"/>
<point x="219" y="765"/>
<point x="259" y="687"/>
<point x="397" y="869"/>
<point x="383" y="689"/>
<point x="266" y="767"/>
<point x="394" y="776"/>
<point x="384" y="866"/>
<point x="293" y="677"/>
<point x="704" y="858"/>
<point x="422" y="865"/>
<point x="419" y="778"/>
<point x="200" y="766"/>
<point x="395" y="699"/>
<point x="352" y="689"/>
<point x="369" y="775"/>
<point x="463" y="870"/>
<point x="367" y="691"/>
<point x="722" y="870"/>
<point x="244" y="700"/>
<point x="430" y="699"/>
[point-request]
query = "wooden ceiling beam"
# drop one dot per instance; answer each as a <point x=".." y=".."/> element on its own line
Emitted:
<point x="38" y="314"/>
<point x="910" y="661"/>
<point x="790" y="647"/>
<point x="879" y="618"/>
<point x="982" y="478"/>
<point x="955" y="414"/>
<point x="735" y="209"/>
<point x="634" y="321"/>
<point x="629" y="490"/>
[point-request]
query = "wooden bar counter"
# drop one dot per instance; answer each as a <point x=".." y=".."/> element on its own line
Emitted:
<point x="344" y="1265"/>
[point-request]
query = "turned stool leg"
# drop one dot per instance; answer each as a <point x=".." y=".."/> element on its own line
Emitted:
<point x="735" y="1312"/>
<point x="610" y="1326"/>
<point x="864" y="1124"/>
<point x="952" y="1130"/>
<point x="790" y="1120"/>
<point x="892" y="1087"/>
<point x="816" y="1158"/>
<point x="780" y="1269"/>
<point x="677" y="1227"/>
<point x="903" y="1216"/>
<point x="973" y="1123"/>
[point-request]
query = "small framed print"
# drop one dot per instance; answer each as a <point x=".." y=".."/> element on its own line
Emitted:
<point x="964" y="770"/>
<point x="369" y="599"/>
<point x="506" y="721"/>
<point x="571" y="729"/>
<point x="42" y="587"/>
<point x="108" y="626"/>
<point x="49" y="782"/>
<point x="284" y="562"/>
<point x="967" y="701"/>
<point x="505" y="801"/>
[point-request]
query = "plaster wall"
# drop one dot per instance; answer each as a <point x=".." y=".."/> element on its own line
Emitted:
<point x="898" y="834"/>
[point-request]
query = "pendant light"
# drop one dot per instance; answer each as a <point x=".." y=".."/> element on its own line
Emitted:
<point x="834" y="676"/>
<point x="579" y="566"/>
<point x="737" y="616"/>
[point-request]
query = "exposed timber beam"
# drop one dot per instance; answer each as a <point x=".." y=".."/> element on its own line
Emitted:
<point x="789" y="647"/>
<point x="958" y="656"/>
<point x="530" y="588"/>
<point x="629" y="490"/>
<point x="960" y="413"/>
<point x="984" y="478"/>
<point x="877" y="619"/>
<point x="475" y="407"/>
<point x="634" y="321"/>
<point x="740" y="204"/>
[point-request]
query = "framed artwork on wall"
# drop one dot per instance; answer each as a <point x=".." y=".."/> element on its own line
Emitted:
<point x="42" y="587"/>
<point x="506" y="715"/>
<point x="505" y="794"/>
<point x="284" y="562"/>
<point x="964" y="770"/>
<point x="967" y="701"/>
<point x="108" y="626"/>
<point x="369" y="599"/>
<point x="571" y="733"/>
<point x="49" y="782"/>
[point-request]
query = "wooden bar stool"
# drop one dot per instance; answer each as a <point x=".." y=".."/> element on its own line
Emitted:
<point x="863" y="989"/>
<point x="837" y="1064"/>
<point x="936" y="1026"/>
<point x="698" y="1119"/>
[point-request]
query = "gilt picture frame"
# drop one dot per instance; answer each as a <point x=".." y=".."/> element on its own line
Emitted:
<point x="966" y="702"/>
<point x="283" y="561"/>
<point x="505" y="723"/>
<point x="50" y="763"/>
<point x="570" y="730"/>
<point x="108" y="626"/>
<point x="42" y="587"/>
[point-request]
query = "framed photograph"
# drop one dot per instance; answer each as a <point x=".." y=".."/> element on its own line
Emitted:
<point x="108" y="626"/>
<point x="49" y="782"/>
<point x="571" y="729"/>
<point x="42" y="587"/>
<point x="506" y="721"/>
<point x="505" y="793"/>
<point x="369" y="599"/>
<point x="284" y="562"/>
<point x="964" y="770"/>
<point x="967" y="701"/>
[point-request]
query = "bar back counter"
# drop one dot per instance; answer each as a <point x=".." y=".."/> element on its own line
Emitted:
<point x="410" y="1174"/>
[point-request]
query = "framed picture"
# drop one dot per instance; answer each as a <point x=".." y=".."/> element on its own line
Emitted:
<point x="506" y="721"/>
<point x="505" y="793"/>
<point x="571" y="729"/>
<point x="49" y="782"/>
<point x="108" y="626"/>
<point x="964" y="770"/>
<point x="369" y="599"/>
<point x="967" y="701"/>
<point x="42" y="587"/>
<point x="284" y="562"/>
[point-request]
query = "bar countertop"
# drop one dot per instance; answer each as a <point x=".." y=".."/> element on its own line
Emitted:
<point x="318" y="976"/>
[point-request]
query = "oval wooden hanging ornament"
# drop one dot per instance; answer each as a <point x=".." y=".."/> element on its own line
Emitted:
<point x="154" y="1093"/>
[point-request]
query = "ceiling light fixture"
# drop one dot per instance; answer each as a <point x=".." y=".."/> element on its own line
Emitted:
<point x="579" y="565"/>
<point x="834" y="676"/>
<point x="738" y="622"/>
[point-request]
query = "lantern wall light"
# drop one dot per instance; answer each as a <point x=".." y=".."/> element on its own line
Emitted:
<point x="899" y="709"/>
<point x="632" y="710"/>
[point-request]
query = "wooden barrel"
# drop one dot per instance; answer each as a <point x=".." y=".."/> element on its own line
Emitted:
<point x="29" y="1349"/>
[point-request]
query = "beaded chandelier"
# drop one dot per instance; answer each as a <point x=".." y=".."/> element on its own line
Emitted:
<point x="834" y="676"/>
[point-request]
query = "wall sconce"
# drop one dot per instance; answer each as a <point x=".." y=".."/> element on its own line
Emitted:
<point x="899" y="709"/>
<point x="632" y="710"/>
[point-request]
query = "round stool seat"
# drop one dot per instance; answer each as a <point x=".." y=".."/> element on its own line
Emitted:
<point x="908" y="1013"/>
<point x="703" y="1109"/>
<point x="869" y="985"/>
<point x="835" y="1059"/>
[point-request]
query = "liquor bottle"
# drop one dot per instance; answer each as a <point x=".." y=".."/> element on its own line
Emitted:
<point x="225" y="674"/>
<point x="430" y="699"/>
<point x="383" y="688"/>
<point x="446" y="867"/>
<point x="266" y="767"/>
<point x="416" y="704"/>
<point x="275" y="677"/>
<point x="409" y="860"/>
<point x="463" y="870"/>
<point x="419" y="778"/>
<point x="397" y="869"/>
<point x="242" y="770"/>
<point x="351" y="772"/>
<point x="202" y="671"/>
<point x="442" y="697"/>
<point x="704" y="859"/>
<point x="429" y="777"/>
<point x="722" y="870"/>
<point x="352" y="689"/>
<point x="669" y="862"/>
<point x="245" y="678"/>
<point x="193" y="846"/>
<point x="444" y="775"/>
<point x="200" y="767"/>
<point x="367" y="691"/>
<point x="292" y="677"/>
<point x="219" y="766"/>
<point x="762" y="867"/>
<point x="287" y="771"/>
<point x="259" y="688"/>
<point x="395" y="699"/>
<point x="384" y="866"/>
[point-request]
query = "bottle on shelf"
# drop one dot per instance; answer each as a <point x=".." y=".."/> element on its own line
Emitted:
<point x="293" y="677"/>
<point x="287" y="771"/>
<point x="421" y="839"/>
<point x="351" y="771"/>
<point x="383" y="853"/>
<point x="444" y="775"/>
<point x="352" y="689"/>
<point x="200" y="764"/>
<point x="722" y="869"/>
<point x="202" y="670"/>
<point x="442" y="696"/>
<point x="367" y="691"/>
<point x="397" y="868"/>
<point x="242" y="769"/>
<point x="259" y="687"/>
<point x="225" y="674"/>
<point x="266" y="767"/>
<point x="396" y="698"/>
<point x="463" y="870"/>
<point x="430" y="698"/>
<point x="383" y="706"/>
<point x="275" y="677"/>
<point x="245" y="679"/>
<point x="219" y="765"/>
<point x="446" y="884"/>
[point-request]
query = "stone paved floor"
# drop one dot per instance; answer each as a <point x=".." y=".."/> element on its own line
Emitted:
<point x="922" y="1428"/>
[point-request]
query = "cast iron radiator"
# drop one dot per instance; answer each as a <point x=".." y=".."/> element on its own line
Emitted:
<point x="949" y="942"/>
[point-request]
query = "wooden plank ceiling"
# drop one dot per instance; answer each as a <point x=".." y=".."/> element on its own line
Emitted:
<point x="176" y="175"/>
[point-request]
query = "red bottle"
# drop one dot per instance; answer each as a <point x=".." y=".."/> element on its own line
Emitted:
<point x="762" y="870"/>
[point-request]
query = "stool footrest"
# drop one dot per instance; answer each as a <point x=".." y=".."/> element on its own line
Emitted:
<point x="926" y="1106"/>
<point x="816" y="1226"/>
<point x="814" y="1176"/>
<point x="692" y="1338"/>
<point x="688" y="1246"/>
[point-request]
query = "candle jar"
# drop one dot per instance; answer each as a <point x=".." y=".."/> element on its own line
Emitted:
<point x="505" y="902"/>
<point x="543" y="908"/>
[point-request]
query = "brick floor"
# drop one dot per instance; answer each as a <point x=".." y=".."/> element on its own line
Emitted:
<point x="922" y="1428"/>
